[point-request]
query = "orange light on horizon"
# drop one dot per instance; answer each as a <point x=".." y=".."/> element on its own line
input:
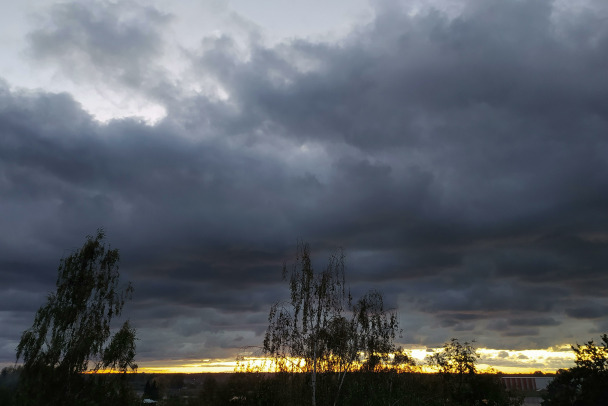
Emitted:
<point x="507" y="361"/>
<point x="109" y="371"/>
<point x="190" y="368"/>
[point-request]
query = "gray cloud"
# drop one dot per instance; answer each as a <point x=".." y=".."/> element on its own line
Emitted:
<point x="597" y="311"/>
<point x="459" y="161"/>
<point x="118" y="41"/>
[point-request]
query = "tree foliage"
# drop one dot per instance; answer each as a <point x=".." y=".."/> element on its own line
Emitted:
<point x="72" y="332"/>
<point x="462" y="385"/>
<point x="587" y="382"/>
<point x="320" y="330"/>
<point x="456" y="364"/>
<point x="455" y="358"/>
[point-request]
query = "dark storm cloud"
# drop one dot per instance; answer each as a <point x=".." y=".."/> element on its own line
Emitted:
<point x="459" y="161"/>
<point x="535" y="321"/>
<point x="596" y="311"/>
<point x="493" y="126"/>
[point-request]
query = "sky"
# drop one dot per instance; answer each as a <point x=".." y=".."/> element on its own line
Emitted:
<point x="456" y="151"/>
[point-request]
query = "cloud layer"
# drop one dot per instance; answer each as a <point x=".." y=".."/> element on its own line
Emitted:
<point x="460" y="160"/>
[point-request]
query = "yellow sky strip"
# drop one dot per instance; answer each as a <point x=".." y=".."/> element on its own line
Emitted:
<point x="507" y="361"/>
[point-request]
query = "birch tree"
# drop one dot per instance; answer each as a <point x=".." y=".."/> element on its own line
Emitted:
<point x="320" y="329"/>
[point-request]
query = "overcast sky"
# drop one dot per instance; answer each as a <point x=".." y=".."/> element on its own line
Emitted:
<point x="456" y="150"/>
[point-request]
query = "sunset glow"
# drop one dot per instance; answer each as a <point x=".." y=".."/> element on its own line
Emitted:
<point x="506" y="361"/>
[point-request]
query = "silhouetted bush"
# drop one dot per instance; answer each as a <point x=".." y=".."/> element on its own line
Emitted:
<point x="586" y="384"/>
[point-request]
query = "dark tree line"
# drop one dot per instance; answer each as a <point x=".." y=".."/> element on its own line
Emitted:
<point x="398" y="381"/>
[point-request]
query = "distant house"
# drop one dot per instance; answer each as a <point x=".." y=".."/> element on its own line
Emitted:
<point x="527" y="383"/>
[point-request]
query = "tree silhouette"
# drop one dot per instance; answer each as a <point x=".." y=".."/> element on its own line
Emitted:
<point x="456" y="364"/>
<point x="455" y="358"/>
<point x="584" y="384"/>
<point x="320" y="330"/>
<point x="72" y="334"/>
